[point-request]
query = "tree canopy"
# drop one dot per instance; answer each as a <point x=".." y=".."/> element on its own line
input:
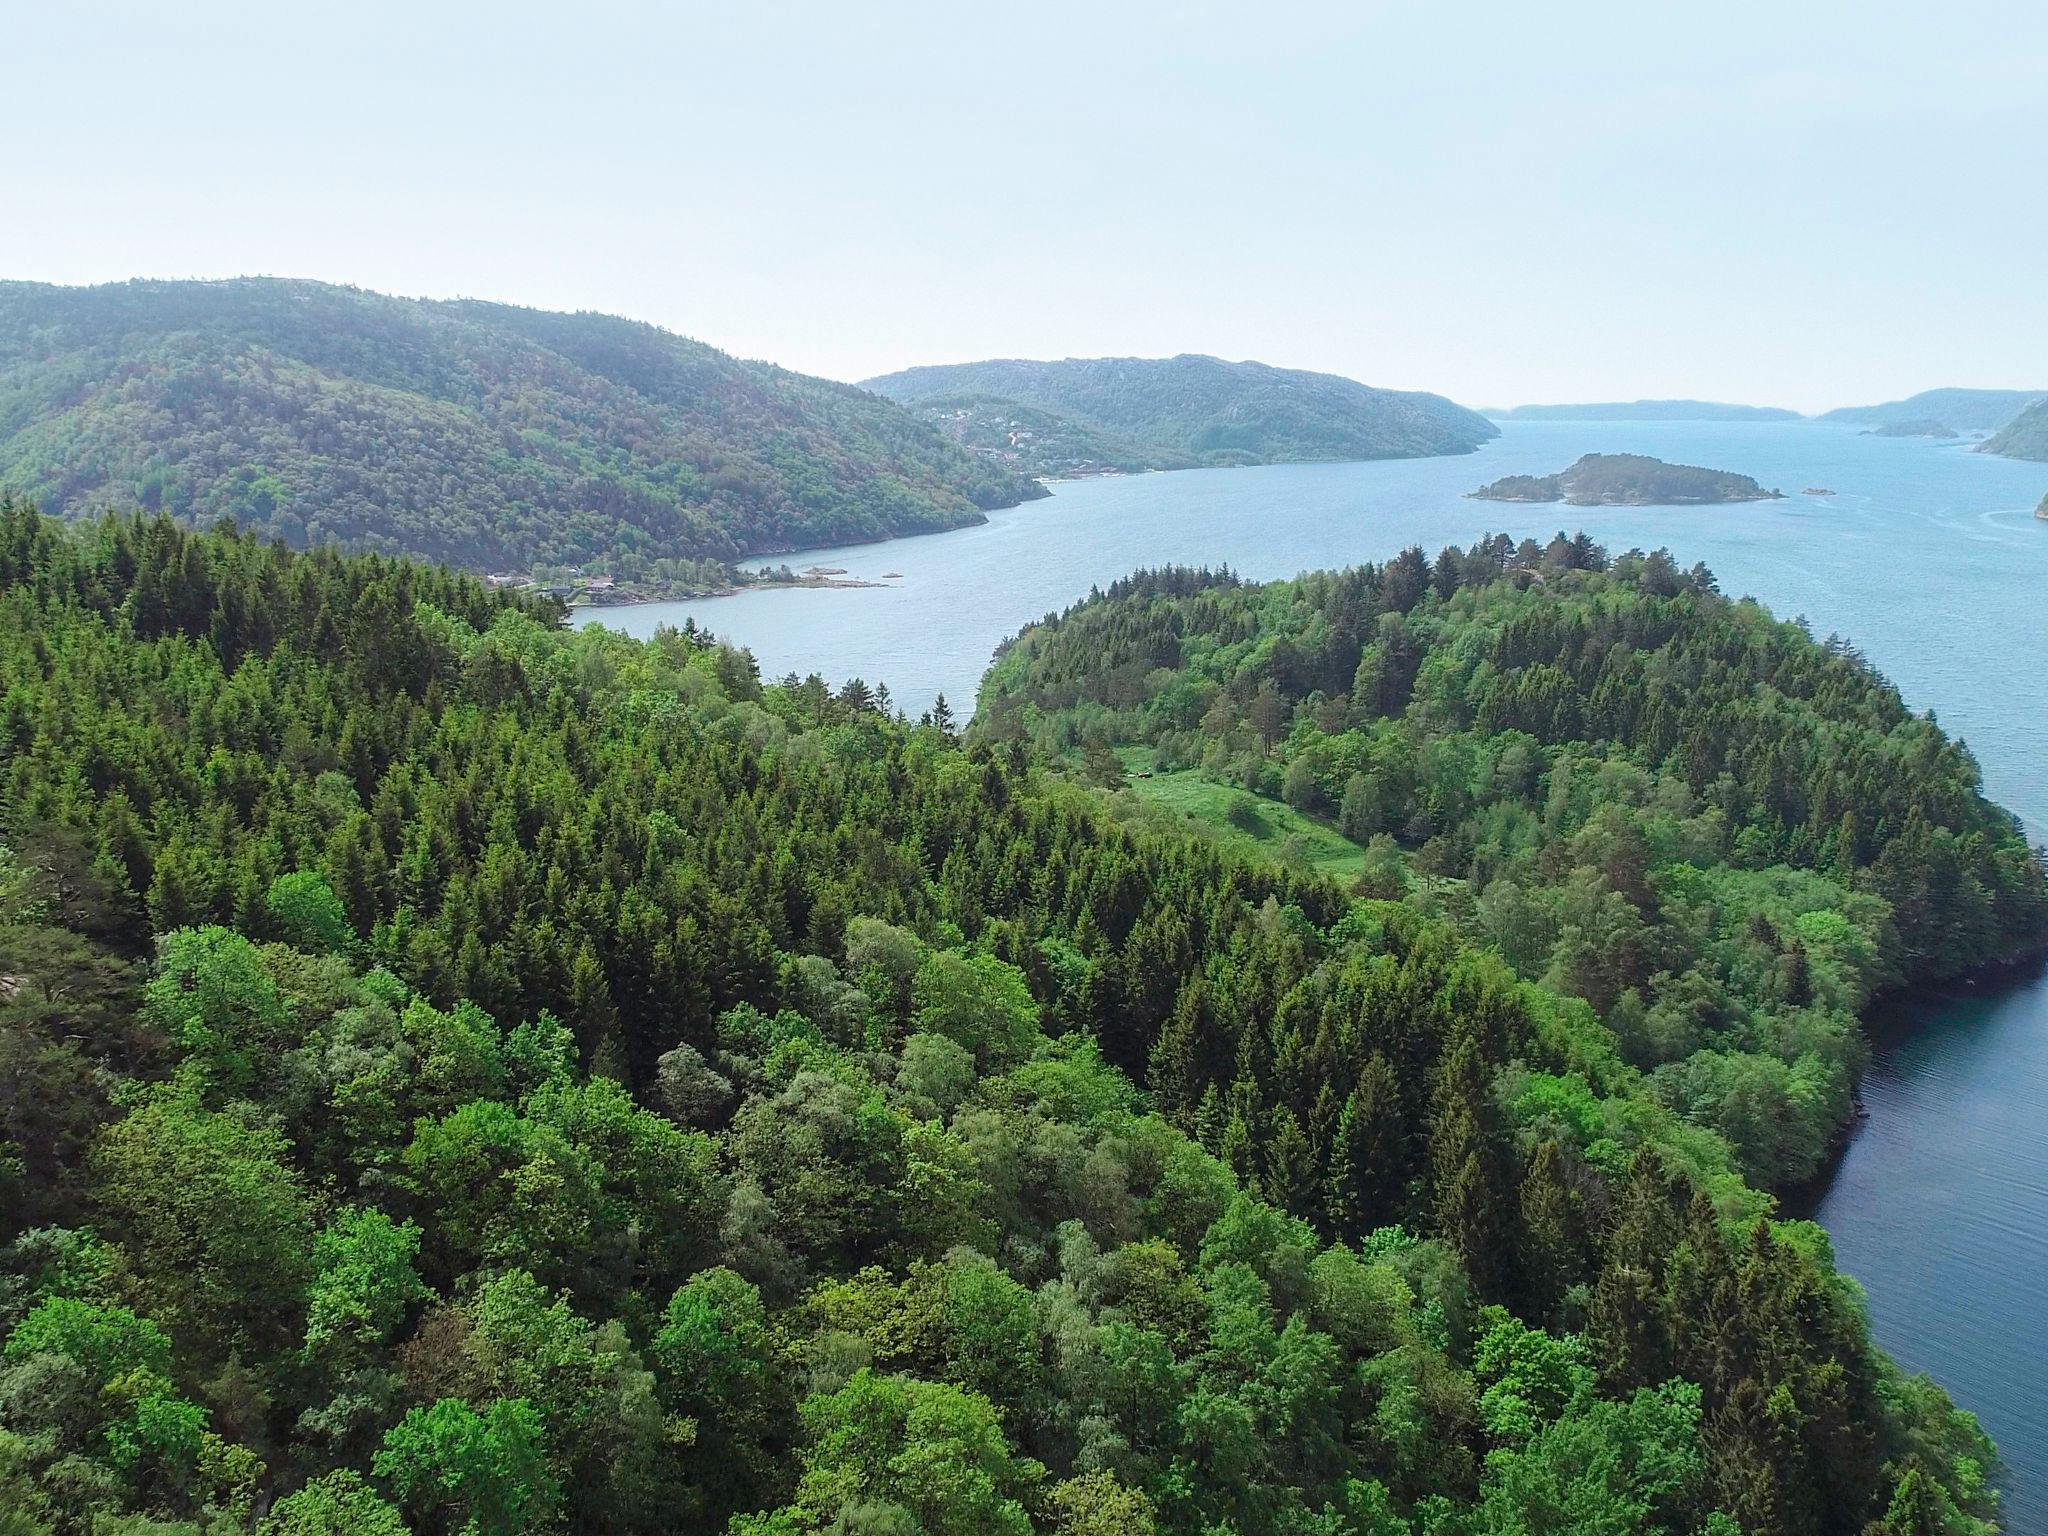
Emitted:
<point x="1723" y="835"/>
<point x="1139" y="412"/>
<point x="484" y="435"/>
<point x="458" y="1075"/>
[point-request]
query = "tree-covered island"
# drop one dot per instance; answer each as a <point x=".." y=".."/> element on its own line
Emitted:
<point x="1628" y="480"/>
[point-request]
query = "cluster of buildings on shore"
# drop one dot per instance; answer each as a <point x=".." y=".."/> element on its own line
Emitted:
<point x="518" y="581"/>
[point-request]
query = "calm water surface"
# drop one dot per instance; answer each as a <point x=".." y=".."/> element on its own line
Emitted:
<point x="1925" y="554"/>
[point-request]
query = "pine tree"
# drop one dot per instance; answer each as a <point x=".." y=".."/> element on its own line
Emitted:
<point x="591" y="1014"/>
<point x="1701" y="1287"/>
<point x="1553" y="1259"/>
<point x="1627" y="1330"/>
<point x="1745" y="1475"/>
<point x="1290" y="1181"/>
<point x="1236" y="1149"/>
<point x="1918" y="1508"/>
<point x="1171" y="1073"/>
<point x="1798" y="976"/>
<point x="1470" y="1192"/>
<point x="1646" y="1224"/>
<point x="1368" y="1162"/>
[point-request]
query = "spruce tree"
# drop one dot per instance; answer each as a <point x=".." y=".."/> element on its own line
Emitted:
<point x="1368" y="1161"/>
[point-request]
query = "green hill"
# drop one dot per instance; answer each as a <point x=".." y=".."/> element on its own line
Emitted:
<point x="1628" y="480"/>
<point x="1721" y="834"/>
<point x="486" y="435"/>
<point x="1212" y="411"/>
<point x="1963" y="410"/>
<point x="1032" y="441"/>
<point x="1648" y="410"/>
<point x="2025" y="436"/>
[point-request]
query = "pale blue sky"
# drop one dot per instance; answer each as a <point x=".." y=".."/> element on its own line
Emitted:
<point x="1794" y="203"/>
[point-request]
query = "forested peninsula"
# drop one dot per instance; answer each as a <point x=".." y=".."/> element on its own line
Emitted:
<point x="462" y="1075"/>
<point x="1628" y="480"/>
<point x="1724" y="836"/>
<point x="2025" y="436"/>
<point x="488" y="436"/>
<point x="1194" y="410"/>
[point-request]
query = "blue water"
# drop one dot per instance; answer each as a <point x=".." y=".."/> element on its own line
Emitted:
<point x="1926" y="555"/>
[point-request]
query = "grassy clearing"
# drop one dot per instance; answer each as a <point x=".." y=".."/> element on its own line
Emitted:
<point x="1241" y="817"/>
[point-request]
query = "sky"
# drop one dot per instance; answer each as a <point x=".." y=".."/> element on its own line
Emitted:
<point x="1805" y="204"/>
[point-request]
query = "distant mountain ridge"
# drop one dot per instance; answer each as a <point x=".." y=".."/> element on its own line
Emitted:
<point x="485" y="435"/>
<point x="1647" y="410"/>
<point x="1210" y="411"/>
<point x="1962" y="410"/>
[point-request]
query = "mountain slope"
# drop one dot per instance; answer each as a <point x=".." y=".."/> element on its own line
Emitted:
<point x="1647" y="410"/>
<point x="481" y="434"/>
<point x="1965" y="410"/>
<point x="1217" y="412"/>
<point x="1033" y="441"/>
<point x="2025" y="436"/>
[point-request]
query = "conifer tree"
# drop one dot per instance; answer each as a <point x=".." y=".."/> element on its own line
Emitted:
<point x="1368" y="1161"/>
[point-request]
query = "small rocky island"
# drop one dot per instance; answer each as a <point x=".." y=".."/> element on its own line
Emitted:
<point x="1923" y="428"/>
<point x="1628" y="480"/>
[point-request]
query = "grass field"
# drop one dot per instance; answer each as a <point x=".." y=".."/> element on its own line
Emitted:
<point x="1241" y="817"/>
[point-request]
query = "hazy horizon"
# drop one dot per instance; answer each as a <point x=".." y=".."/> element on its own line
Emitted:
<point x="1803" y="210"/>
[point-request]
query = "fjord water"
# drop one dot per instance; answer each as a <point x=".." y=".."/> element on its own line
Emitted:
<point x="1924" y="554"/>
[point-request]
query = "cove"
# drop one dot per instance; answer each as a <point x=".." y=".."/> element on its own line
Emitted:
<point x="1925" y="555"/>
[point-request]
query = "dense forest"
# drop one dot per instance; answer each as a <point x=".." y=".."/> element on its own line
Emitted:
<point x="1722" y="835"/>
<point x="2025" y="436"/>
<point x="1627" y="480"/>
<point x="1964" y="410"/>
<point x="1210" y="410"/>
<point x="458" y="1075"/>
<point x="483" y="435"/>
<point x="1041" y="442"/>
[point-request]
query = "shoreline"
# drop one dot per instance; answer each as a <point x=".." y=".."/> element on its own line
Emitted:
<point x="1883" y="1023"/>
<point x="640" y="600"/>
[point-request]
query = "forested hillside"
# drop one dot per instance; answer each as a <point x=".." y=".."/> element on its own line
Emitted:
<point x="2025" y="436"/>
<point x="480" y="434"/>
<point x="1041" y="442"/>
<point x="1722" y="835"/>
<point x="459" y="1075"/>
<point x="1215" y="411"/>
